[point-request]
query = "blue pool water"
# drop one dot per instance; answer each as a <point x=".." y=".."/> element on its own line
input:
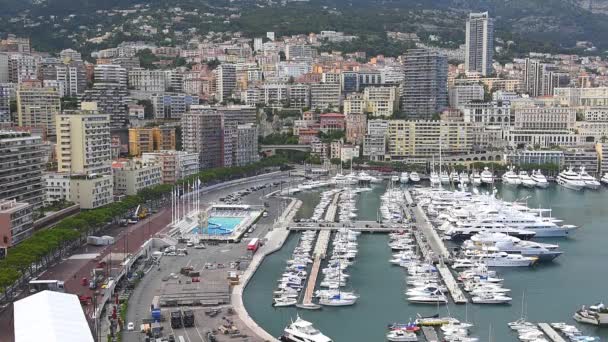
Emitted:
<point x="220" y="225"/>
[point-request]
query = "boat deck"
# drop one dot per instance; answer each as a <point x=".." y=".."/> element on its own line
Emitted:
<point x="550" y="332"/>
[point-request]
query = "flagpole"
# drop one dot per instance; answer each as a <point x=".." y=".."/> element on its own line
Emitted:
<point x="172" y="206"/>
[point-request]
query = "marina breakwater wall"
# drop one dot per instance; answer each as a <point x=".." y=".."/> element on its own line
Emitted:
<point x="275" y="240"/>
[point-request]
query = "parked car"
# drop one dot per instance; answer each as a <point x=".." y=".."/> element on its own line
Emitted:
<point x="130" y="326"/>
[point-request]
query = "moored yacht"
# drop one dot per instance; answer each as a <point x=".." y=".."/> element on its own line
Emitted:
<point x="539" y="179"/>
<point x="605" y="178"/>
<point x="590" y="181"/>
<point x="594" y="314"/>
<point x="510" y="177"/>
<point x="401" y="335"/>
<point x="394" y="178"/>
<point x="414" y="177"/>
<point x="303" y="331"/>
<point x="404" y="177"/>
<point x="487" y="177"/>
<point x="526" y="180"/>
<point x="570" y="180"/>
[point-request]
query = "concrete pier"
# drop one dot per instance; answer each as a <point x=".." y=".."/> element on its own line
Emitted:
<point x="430" y="334"/>
<point x="433" y="248"/>
<point x="274" y="241"/>
<point x="319" y="253"/>
<point x="550" y="332"/>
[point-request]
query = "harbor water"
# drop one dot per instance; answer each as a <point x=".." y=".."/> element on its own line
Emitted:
<point x="552" y="291"/>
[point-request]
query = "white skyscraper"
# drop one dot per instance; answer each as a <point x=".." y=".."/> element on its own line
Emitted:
<point x="479" y="43"/>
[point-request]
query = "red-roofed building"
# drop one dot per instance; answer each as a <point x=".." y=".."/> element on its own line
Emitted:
<point x="307" y="136"/>
<point x="332" y="122"/>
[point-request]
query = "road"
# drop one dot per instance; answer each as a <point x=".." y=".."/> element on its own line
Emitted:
<point x="78" y="266"/>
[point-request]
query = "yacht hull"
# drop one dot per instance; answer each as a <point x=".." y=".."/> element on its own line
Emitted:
<point x="569" y="185"/>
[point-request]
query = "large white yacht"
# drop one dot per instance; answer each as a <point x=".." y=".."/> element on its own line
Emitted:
<point x="590" y="181"/>
<point x="340" y="179"/>
<point x="487" y="177"/>
<point x="414" y="177"/>
<point x="539" y="179"/>
<point x="510" y="244"/>
<point x="510" y="177"/>
<point x="303" y="331"/>
<point x="526" y="180"/>
<point x="501" y="259"/>
<point x="570" y="180"/>
<point x="404" y="177"/>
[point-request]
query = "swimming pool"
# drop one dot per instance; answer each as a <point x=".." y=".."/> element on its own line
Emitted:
<point x="219" y="225"/>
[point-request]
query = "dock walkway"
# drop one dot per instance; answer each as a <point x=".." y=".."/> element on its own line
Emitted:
<point x="319" y="253"/>
<point x="550" y="332"/>
<point x="433" y="248"/>
<point x="430" y="334"/>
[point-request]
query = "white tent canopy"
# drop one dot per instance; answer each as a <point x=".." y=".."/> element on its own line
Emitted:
<point x="51" y="316"/>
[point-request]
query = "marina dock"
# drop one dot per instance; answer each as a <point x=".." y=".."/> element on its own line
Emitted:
<point x="550" y="332"/>
<point x="319" y="254"/>
<point x="433" y="248"/>
<point x="430" y="334"/>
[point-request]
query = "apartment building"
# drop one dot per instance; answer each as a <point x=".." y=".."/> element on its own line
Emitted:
<point x="83" y="143"/>
<point x="494" y="113"/>
<point x="134" y="175"/>
<point x="21" y="166"/>
<point x="112" y="99"/>
<point x="299" y="95"/>
<point x="145" y="140"/>
<point x="148" y="80"/>
<point x="38" y="106"/>
<point x="355" y="128"/>
<point x="461" y="95"/>
<point x="325" y="96"/>
<point x="330" y="122"/>
<point x="16" y="222"/>
<point x="171" y="106"/>
<point x="225" y="82"/>
<point x="425" y="90"/>
<point x="174" y="165"/>
<point x="479" y="41"/>
<point x="381" y="101"/>
<point x="91" y="191"/>
<point x="422" y="139"/>
<point x="111" y="73"/>
<point x="203" y="134"/>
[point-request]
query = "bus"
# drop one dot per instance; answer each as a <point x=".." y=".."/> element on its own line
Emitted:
<point x="253" y="245"/>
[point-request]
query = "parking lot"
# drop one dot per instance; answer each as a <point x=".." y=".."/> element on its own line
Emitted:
<point x="215" y="264"/>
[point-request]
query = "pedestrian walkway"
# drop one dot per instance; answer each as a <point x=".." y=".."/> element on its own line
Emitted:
<point x="274" y="241"/>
